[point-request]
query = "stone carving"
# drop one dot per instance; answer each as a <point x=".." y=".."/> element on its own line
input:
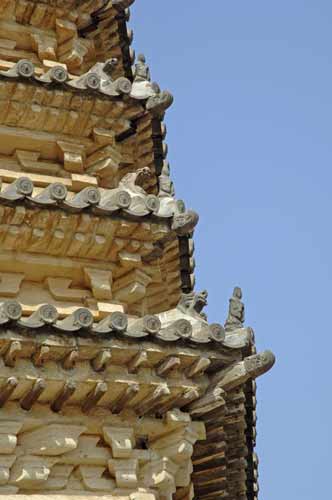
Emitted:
<point x="238" y="373"/>
<point x="259" y="364"/>
<point x="148" y="324"/>
<point x="121" y="440"/>
<point x="132" y="286"/>
<point x="19" y="189"/>
<point x="113" y="200"/>
<point x="180" y="329"/>
<point x="109" y="85"/>
<point x="81" y="318"/>
<point x="160" y="475"/>
<point x="176" y="323"/>
<point x="159" y="102"/>
<point x="89" y="196"/>
<point x="141" y="70"/>
<point x="235" y="318"/>
<point x="193" y="304"/>
<point x="45" y="315"/>
<point x="57" y="74"/>
<point x="134" y="180"/>
<point x="10" y="284"/>
<point x="166" y="186"/>
<point x="54" y="194"/>
<point x="8" y="437"/>
<point x="72" y="156"/>
<point x="142" y="87"/>
<point x="129" y="197"/>
<point x="100" y="78"/>
<point x="117" y="322"/>
<point x="108" y="68"/>
<point x="141" y="202"/>
<point x="31" y="472"/>
<point x="100" y="282"/>
<point x="23" y="69"/>
<point x="88" y="81"/>
<point x="93" y="479"/>
<point x="60" y="289"/>
<point x="51" y="440"/>
<point x="188" y="322"/>
<point x="184" y="224"/>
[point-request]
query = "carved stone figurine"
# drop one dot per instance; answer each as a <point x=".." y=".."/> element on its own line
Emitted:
<point x="185" y="223"/>
<point x="109" y="67"/>
<point x="193" y="304"/>
<point x="235" y="318"/>
<point x="101" y="78"/>
<point x="166" y="186"/>
<point x="108" y="84"/>
<point x="159" y="102"/>
<point x="134" y="180"/>
<point x="142" y="70"/>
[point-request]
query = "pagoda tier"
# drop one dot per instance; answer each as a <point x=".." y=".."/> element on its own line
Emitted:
<point x="146" y="389"/>
<point x="87" y="174"/>
<point x="75" y="33"/>
<point x="113" y="383"/>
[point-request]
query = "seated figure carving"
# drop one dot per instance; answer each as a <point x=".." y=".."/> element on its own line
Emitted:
<point x="235" y="318"/>
<point x="166" y="186"/>
<point x="157" y="101"/>
<point x="141" y="70"/>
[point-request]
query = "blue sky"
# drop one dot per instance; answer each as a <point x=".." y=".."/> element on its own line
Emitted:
<point x="250" y="148"/>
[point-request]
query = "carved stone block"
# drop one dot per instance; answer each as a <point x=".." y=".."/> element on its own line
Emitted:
<point x="92" y="478"/>
<point x="10" y="284"/>
<point x="121" y="441"/>
<point x="73" y="156"/>
<point x="52" y="440"/>
<point x="125" y="472"/>
<point x="30" y="472"/>
<point x="100" y="282"/>
<point x="6" y="463"/>
<point x="8" y="436"/>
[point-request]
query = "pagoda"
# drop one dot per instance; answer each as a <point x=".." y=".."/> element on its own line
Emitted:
<point x="113" y="383"/>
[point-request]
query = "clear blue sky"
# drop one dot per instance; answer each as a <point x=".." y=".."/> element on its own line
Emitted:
<point x="250" y="146"/>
